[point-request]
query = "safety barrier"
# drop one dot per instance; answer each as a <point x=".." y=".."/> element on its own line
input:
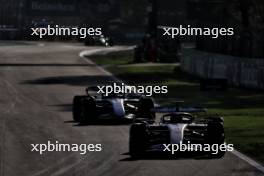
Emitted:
<point x="245" y="72"/>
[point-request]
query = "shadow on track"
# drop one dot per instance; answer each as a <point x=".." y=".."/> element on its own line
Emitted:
<point x="101" y="123"/>
<point x="72" y="80"/>
<point x="63" y="107"/>
<point x="44" y="65"/>
<point x="162" y="156"/>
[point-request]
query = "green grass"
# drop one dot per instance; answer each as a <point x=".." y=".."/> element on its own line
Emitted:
<point x="114" y="58"/>
<point x="242" y="109"/>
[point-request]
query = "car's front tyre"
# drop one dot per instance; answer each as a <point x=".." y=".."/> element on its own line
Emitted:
<point x="89" y="110"/>
<point x="77" y="107"/>
<point x="137" y="140"/>
<point x="216" y="136"/>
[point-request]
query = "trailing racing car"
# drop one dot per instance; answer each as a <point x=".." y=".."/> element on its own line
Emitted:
<point x="115" y="107"/>
<point x="98" y="40"/>
<point x="177" y="126"/>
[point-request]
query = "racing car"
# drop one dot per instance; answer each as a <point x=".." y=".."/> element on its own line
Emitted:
<point x="115" y="107"/>
<point x="98" y="40"/>
<point x="178" y="125"/>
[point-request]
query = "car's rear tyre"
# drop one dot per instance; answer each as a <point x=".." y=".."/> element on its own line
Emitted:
<point x="77" y="108"/>
<point x="145" y="108"/>
<point x="137" y="140"/>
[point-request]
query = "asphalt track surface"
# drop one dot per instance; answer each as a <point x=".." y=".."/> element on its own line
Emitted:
<point x="37" y="84"/>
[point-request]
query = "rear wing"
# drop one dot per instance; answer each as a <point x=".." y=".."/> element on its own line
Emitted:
<point x="178" y="108"/>
<point x="161" y="109"/>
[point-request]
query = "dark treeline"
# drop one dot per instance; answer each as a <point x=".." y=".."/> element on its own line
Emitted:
<point x="247" y="19"/>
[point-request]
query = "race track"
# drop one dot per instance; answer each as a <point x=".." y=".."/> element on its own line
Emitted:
<point x="37" y="84"/>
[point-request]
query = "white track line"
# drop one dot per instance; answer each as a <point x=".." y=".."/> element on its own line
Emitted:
<point x="88" y="53"/>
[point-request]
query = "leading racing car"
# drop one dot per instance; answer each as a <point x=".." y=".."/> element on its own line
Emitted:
<point x="177" y="126"/>
<point x="115" y="107"/>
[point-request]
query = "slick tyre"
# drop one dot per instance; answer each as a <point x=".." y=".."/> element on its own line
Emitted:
<point x="145" y="108"/>
<point x="89" y="109"/>
<point x="137" y="140"/>
<point x="77" y="108"/>
<point x="216" y="135"/>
